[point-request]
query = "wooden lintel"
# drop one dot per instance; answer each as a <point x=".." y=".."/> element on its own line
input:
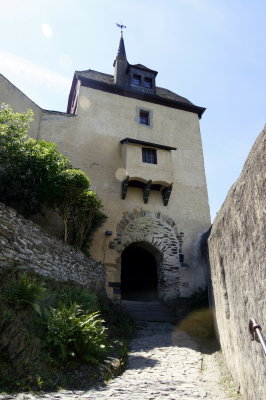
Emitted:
<point x="166" y="193"/>
<point x="124" y="187"/>
<point x="146" y="191"/>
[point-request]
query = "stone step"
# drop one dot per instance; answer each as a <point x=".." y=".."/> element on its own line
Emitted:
<point x="153" y="311"/>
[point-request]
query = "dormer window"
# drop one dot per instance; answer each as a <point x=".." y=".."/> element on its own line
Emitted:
<point x="141" y="79"/>
<point x="148" y="82"/>
<point x="136" y="79"/>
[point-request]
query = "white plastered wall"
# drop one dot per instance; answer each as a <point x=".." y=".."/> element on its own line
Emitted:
<point x="92" y="141"/>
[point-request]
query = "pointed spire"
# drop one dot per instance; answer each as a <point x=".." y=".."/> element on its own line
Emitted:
<point x="120" y="64"/>
<point x="121" y="49"/>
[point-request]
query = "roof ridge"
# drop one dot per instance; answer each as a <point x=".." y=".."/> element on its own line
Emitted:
<point x="170" y="91"/>
<point x="161" y="92"/>
<point x="94" y="70"/>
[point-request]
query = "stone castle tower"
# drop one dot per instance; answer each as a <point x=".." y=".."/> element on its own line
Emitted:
<point x="141" y="146"/>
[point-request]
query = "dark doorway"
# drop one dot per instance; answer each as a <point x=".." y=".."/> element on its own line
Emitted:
<point x="138" y="274"/>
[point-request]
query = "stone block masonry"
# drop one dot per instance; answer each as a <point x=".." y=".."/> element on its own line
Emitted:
<point x="26" y="245"/>
<point x="162" y="235"/>
<point x="238" y="269"/>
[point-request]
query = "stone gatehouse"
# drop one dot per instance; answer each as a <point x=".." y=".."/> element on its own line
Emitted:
<point x="140" y="144"/>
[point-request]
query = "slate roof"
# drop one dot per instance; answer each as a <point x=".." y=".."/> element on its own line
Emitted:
<point x="121" y="48"/>
<point x="106" y="78"/>
<point x="143" y="67"/>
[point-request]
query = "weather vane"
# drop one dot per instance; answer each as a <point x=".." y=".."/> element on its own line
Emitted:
<point x="121" y="26"/>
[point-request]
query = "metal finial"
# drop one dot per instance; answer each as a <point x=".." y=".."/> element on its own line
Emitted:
<point x="121" y="26"/>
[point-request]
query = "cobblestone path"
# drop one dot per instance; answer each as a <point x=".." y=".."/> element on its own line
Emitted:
<point x="164" y="364"/>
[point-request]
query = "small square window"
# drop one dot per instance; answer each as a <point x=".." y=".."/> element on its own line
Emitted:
<point x="149" y="155"/>
<point x="136" y="80"/>
<point x="144" y="117"/>
<point x="148" y="83"/>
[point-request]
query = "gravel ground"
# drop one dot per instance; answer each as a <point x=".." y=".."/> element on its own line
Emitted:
<point x="164" y="363"/>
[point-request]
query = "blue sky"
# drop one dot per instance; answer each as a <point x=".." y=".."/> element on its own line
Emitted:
<point x="210" y="51"/>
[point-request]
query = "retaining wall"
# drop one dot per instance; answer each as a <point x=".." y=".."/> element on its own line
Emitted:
<point x="26" y="245"/>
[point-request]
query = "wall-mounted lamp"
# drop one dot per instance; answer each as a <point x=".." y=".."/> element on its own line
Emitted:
<point x="108" y="233"/>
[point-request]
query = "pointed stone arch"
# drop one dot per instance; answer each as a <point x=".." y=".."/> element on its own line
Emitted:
<point x="161" y="232"/>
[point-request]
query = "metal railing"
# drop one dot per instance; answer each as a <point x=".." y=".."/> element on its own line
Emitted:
<point x="255" y="333"/>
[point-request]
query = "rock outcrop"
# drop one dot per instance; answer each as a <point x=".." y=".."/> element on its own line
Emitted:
<point x="238" y="267"/>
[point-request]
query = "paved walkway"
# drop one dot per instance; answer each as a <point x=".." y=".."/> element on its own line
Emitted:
<point x="164" y="364"/>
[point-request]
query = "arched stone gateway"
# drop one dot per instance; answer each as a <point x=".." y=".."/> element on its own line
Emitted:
<point x="158" y="235"/>
<point x="139" y="272"/>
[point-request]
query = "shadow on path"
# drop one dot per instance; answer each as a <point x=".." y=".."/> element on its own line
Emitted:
<point x="140" y="362"/>
<point x="165" y="334"/>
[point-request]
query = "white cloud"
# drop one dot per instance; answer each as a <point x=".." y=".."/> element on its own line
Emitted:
<point x="47" y="31"/>
<point x="26" y="70"/>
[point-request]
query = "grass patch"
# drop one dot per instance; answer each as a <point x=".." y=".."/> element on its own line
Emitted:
<point x="199" y="325"/>
<point x="226" y="379"/>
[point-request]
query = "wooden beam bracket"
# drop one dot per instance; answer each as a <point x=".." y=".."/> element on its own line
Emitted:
<point x="124" y="187"/>
<point x="146" y="191"/>
<point x="166" y="193"/>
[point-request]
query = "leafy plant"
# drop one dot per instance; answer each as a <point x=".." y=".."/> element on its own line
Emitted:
<point x="33" y="174"/>
<point x="27" y="166"/>
<point x="24" y="289"/>
<point x="73" y="334"/>
<point x="120" y="324"/>
<point x="67" y="344"/>
<point x="70" y="294"/>
<point x="69" y="185"/>
<point x="86" y="218"/>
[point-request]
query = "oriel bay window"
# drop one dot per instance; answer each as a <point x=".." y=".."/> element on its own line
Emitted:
<point x="148" y="177"/>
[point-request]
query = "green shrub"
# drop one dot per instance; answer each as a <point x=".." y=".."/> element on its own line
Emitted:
<point x="70" y="294"/>
<point x="120" y="324"/>
<point x="72" y="334"/>
<point x="34" y="174"/>
<point x="24" y="289"/>
<point x="67" y="344"/>
<point x="85" y="219"/>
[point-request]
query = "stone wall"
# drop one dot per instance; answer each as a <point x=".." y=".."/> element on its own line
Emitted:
<point x="238" y="268"/>
<point x="24" y="243"/>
